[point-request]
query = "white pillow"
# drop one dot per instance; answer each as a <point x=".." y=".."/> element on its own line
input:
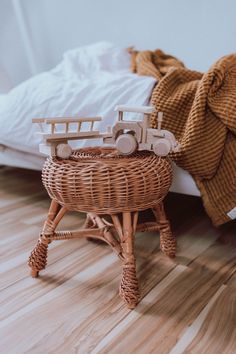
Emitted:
<point x="90" y="81"/>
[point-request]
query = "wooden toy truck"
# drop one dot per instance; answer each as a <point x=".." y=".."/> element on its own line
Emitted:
<point x="127" y="136"/>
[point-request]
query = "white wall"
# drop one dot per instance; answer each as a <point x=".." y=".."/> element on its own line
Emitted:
<point x="198" y="32"/>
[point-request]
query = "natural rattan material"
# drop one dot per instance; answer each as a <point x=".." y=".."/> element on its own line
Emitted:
<point x="102" y="181"/>
<point x="99" y="181"/>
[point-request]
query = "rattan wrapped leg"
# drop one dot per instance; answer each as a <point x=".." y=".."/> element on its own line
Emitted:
<point x="129" y="288"/>
<point x="167" y="239"/>
<point x="38" y="258"/>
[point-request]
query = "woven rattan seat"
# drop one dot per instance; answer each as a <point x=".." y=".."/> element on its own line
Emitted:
<point x="98" y="181"/>
<point x="102" y="181"/>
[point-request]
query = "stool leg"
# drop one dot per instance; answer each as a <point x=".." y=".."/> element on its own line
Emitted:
<point x="167" y="239"/>
<point x="38" y="258"/>
<point x="129" y="289"/>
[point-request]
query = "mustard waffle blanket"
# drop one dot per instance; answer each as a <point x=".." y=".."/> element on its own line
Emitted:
<point x="200" y="109"/>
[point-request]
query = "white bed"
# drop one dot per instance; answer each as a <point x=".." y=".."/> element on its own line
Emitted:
<point x="16" y="158"/>
<point x="89" y="81"/>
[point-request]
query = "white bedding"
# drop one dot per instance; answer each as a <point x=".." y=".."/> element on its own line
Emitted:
<point x="16" y="158"/>
<point x="90" y="81"/>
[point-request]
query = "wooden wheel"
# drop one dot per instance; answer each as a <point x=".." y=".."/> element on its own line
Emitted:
<point x="126" y="144"/>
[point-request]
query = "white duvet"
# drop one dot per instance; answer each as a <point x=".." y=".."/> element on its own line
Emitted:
<point x="89" y="81"/>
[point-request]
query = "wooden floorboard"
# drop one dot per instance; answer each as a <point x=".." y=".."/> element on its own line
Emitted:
<point x="188" y="303"/>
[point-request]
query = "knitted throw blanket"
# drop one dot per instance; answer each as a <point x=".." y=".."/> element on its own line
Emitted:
<point x="200" y="109"/>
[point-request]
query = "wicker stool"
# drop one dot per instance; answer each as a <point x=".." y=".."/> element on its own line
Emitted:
<point x="100" y="182"/>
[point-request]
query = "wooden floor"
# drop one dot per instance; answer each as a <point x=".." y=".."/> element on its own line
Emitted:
<point x="188" y="304"/>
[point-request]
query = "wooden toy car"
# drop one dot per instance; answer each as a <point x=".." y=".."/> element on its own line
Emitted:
<point x="127" y="136"/>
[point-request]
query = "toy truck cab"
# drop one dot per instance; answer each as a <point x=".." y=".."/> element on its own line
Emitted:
<point x="132" y="135"/>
